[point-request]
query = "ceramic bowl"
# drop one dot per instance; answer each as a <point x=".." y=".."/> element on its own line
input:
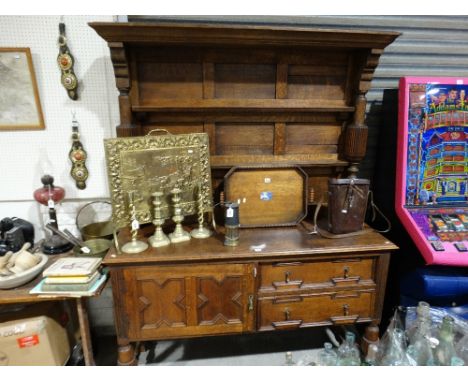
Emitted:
<point x="13" y="281"/>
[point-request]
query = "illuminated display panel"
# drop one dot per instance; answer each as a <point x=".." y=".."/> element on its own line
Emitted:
<point x="431" y="193"/>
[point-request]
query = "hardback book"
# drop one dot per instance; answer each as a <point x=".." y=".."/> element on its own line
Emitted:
<point x="73" y="266"/>
<point x="70" y="279"/>
<point x="70" y="286"/>
<point x="38" y="289"/>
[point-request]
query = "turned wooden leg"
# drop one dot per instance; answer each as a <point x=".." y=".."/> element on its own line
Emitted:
<point x="126" y="353"/>
<point x="82" y="311"/>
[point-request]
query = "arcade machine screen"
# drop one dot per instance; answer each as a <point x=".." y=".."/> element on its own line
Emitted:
<point x="431" y="193"/>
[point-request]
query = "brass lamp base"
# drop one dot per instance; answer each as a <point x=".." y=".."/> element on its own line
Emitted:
<point x="134" y="246"/>
<point x="159" y="239"/>
<point x="179" y="236"/>
<point x="201" y="233"/>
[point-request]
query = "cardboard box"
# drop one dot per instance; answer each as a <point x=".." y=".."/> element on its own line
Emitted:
<point x="35" y="341"/>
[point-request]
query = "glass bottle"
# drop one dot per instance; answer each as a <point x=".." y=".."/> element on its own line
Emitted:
<point x="395" y="352"/>
<point x="456" y="361"/>
<point x="307" y="360"/>
<point x="348" y="353"/>
<point x="421" y="351"/>
<point x="423" y="315"/>
<point x="400" y="317"/>
<point x="327" y="356"/>
<point x="396" y="323"/>
<point x="462" y="348"/>
<point x="371" y="358"/>
<point x="289" y="359"/>
<point x="446" y="349"/>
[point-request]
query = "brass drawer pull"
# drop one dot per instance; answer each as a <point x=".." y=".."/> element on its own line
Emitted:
<point x="250" y="305"/>
<point x="286" y="277"/>
<point x="291" y="264"/>
<point x="346" y="272"/>
<point x="285" y="300"/>
<point x="345" y="310"/>
<point x="287" y="314"/>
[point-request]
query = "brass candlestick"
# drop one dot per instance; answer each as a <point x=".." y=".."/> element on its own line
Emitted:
<point x="200" y="232"/>
<point x="179" y="235"/>
<point x="134" y="246"/>
<point x="159" y="239"/>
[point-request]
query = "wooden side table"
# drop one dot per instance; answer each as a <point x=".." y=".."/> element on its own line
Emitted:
<point x="20" y="295"/>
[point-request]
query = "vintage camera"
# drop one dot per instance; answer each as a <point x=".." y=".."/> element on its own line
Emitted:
<point x="14" y="232"/>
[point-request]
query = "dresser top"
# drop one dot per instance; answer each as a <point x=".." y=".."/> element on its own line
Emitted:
<point x="232" y="34"/>
<point x="256" y="244"/>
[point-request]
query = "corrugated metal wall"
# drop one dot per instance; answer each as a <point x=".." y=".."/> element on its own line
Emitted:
<point x="428" y="46"/>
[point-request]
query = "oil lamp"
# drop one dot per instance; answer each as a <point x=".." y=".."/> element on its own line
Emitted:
<point x="49" y="195"/>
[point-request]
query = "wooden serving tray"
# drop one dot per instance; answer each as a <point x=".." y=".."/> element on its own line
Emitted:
<point x="268" y="196"/>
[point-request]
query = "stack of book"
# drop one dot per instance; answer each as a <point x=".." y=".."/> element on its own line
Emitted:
<point x="72" y="275"/>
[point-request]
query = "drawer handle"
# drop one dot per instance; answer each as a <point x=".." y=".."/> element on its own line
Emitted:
<point x="345" y="272"/>
<point x="350" y="294"/>
<point x="287" y="314"/>
<point x="286" y="277"/>
<point x="251" y="303"/>
<point x="343" y="320"/>
<point x="282" y="325"/>
<point x="291" y="264"/>
<point x="345" y="310"/>
<point x="285" y="300"/>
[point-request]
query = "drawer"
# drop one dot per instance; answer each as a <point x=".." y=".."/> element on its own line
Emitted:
<point x="296" y="275"/>
<point x="292" y="312"/>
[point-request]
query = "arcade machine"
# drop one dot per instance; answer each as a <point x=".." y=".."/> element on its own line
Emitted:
<point x="431" y="187"/>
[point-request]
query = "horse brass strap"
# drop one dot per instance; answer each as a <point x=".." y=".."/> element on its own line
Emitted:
<point x="65" y="61"/>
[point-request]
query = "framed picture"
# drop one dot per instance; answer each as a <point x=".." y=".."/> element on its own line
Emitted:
<point x="20" y="107"/>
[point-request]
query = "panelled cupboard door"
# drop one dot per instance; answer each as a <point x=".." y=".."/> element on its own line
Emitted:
<point x="184" y="301"/>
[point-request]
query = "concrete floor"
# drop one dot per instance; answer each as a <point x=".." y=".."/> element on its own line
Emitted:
<point x="260" y="349"/>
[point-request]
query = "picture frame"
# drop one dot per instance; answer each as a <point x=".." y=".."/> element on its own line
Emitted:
<point x="20" y="106"/>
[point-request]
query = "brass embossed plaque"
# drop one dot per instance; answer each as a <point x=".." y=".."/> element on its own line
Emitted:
<point x="158" y="163"/>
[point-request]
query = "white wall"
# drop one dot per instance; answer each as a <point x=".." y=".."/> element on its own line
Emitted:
<point x="26" y="155"/>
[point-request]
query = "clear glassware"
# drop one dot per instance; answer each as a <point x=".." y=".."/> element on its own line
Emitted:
<point x="462" y="348"/>
<point x="396" y="323"/>
<point x="348" y="352"/>
<point x="327" y="356"/>
<point x="395" y="352"/>
<point x="307" y="360"/>
<point x="421" y="350"/>
<point x="446" y="348"/>
<point x="423" y="312"/>
<point x="289" y="359"/>
<point x="371" y="358"/>
<point x="456" y="361"/>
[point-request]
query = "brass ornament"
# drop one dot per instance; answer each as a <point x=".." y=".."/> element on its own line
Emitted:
<point x="179" y="235"/>
<point x="144" y="165"/>
<point x="66" y="61"/>
<point x="78" y="157"/>
<point x="69" y="81"/>
<point x="200" y="232"/>
<point x="159" y="238"/>
<point x="134" y="245"/>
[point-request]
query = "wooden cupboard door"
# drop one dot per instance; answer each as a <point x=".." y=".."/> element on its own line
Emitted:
<point x="184" y="301"/>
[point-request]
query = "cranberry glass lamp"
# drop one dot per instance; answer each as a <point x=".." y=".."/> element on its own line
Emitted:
<point x="49" y="195"/>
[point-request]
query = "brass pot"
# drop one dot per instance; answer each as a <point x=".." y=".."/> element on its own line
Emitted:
<point x="95" y="230"/>
<point x="98" y="247"/>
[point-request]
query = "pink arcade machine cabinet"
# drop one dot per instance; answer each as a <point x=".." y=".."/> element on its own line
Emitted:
<point x="432" y="169"/>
